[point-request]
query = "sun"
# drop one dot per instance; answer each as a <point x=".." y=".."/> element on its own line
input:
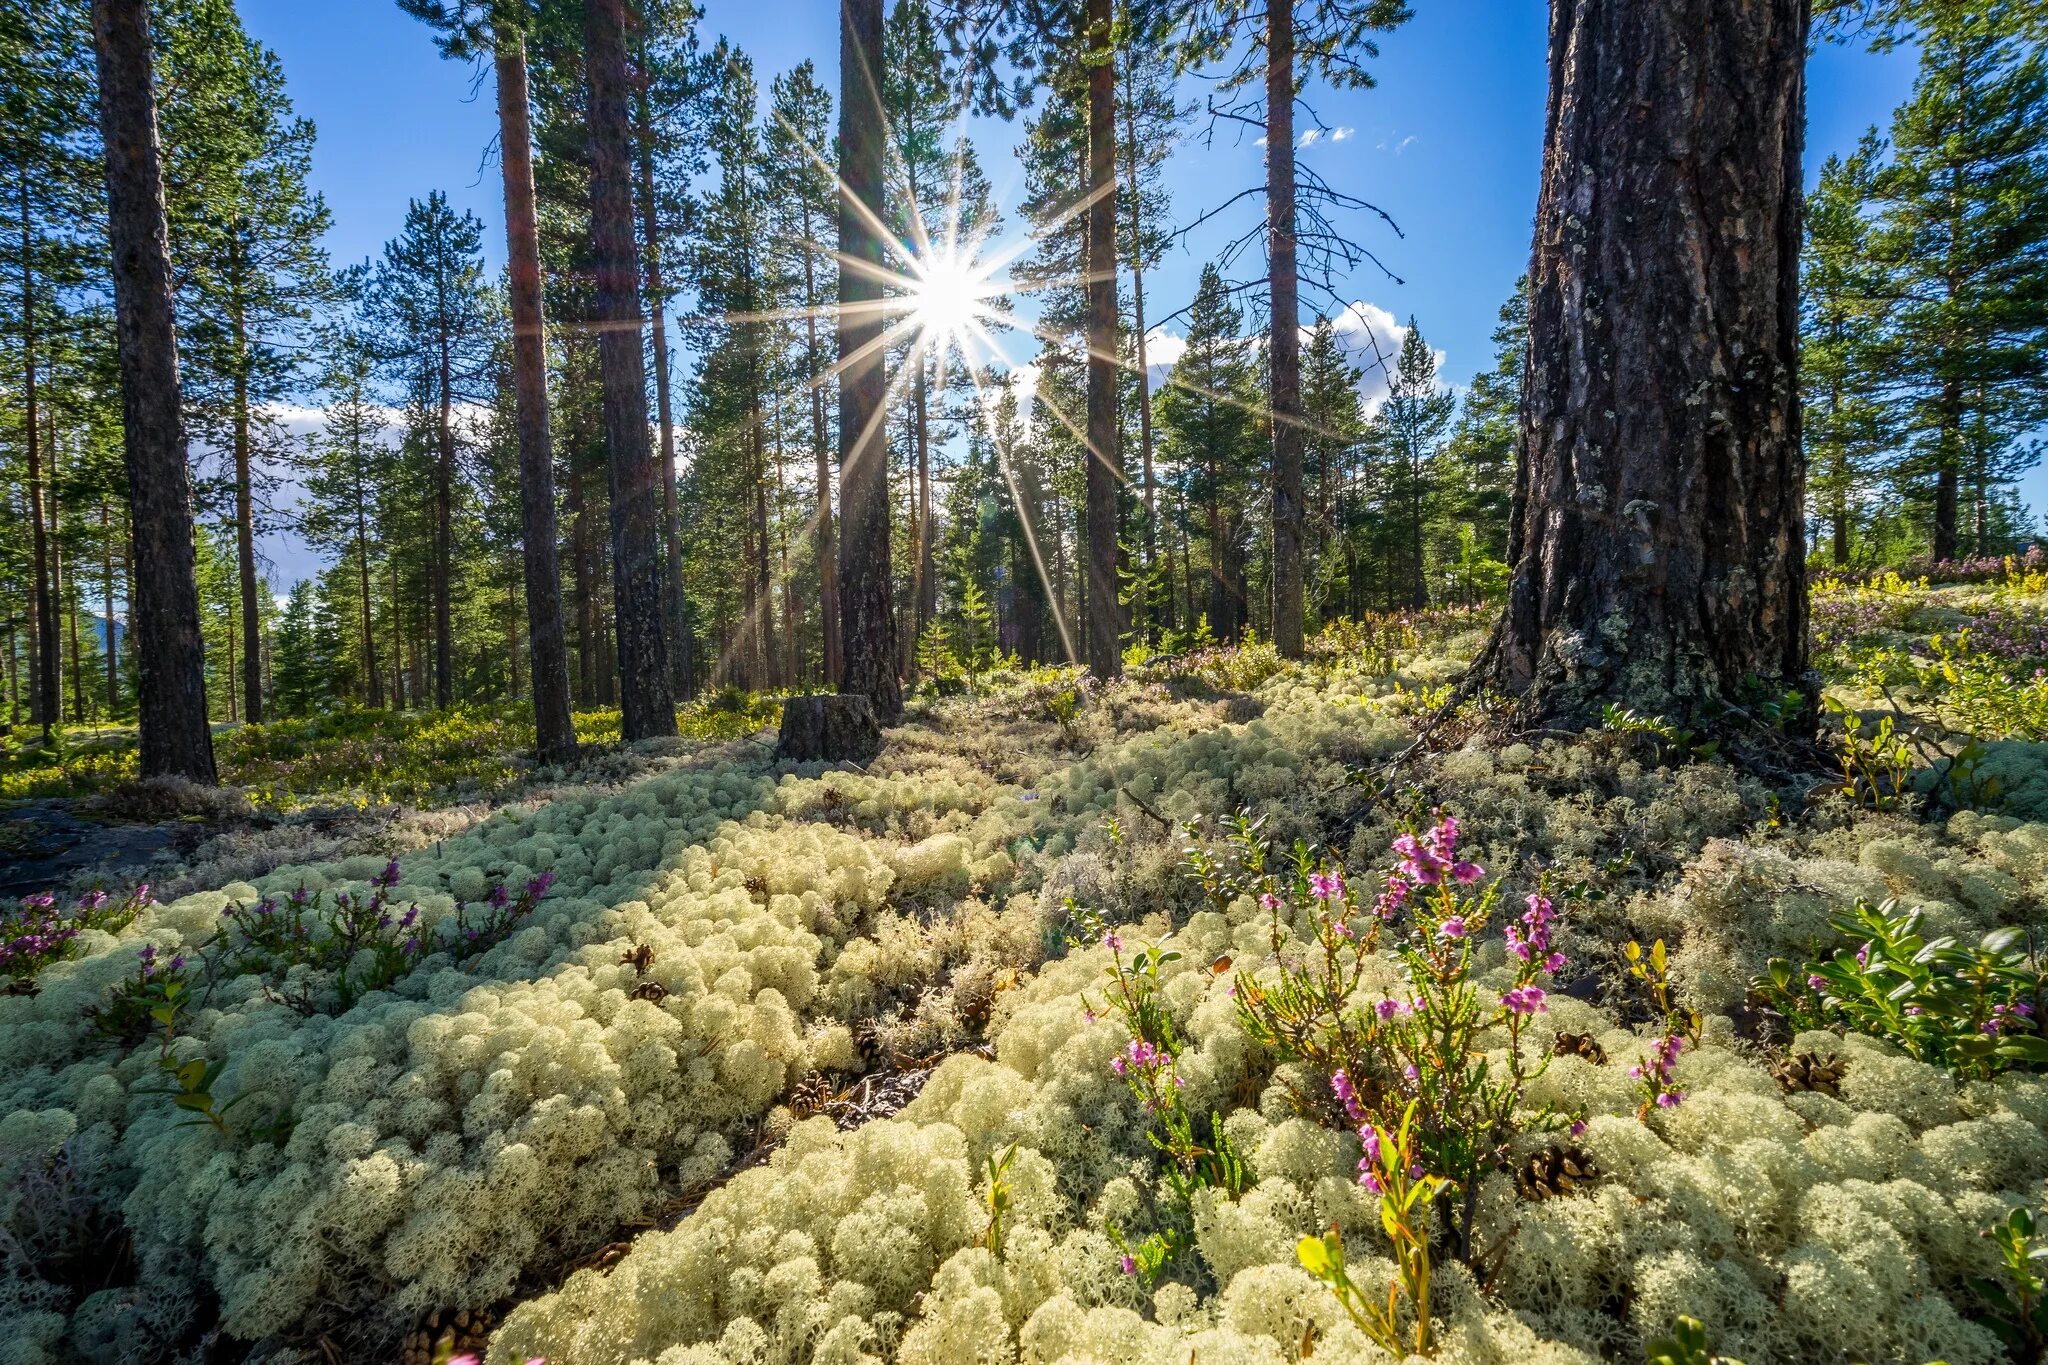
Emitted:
<point x="947" y="298"/>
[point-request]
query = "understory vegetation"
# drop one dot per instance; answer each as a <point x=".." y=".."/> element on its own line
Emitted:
<point x="1238" y="1029"/>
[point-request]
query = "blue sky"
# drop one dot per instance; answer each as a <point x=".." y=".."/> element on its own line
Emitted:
<point x="1449" y="143"/>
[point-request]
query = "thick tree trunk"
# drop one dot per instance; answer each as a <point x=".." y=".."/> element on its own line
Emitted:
<point x="170" y="655"/>
<point x="554" y="730"/>
<point x="647" y="702"/>
<point x="867" y="613"/>
<point x="675" y="607"/>
<point x="43" y="615"/>
<point x="1284" y="341"/>
<point x="1657" y="541"/>
<point x="1105" y="457"/>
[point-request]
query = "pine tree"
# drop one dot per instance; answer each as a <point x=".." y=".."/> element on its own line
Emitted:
<point x="1962" y="234"/>
<point x="1406" y="435"/>
<point x="1656" y="553"/>
<point x="1843" y="305"/>
<point x="1209" y="423"/>
<point x="299" y="673"/>
<point x="171" y="659"/>
<point x="432" y="322"/>
<point x="1333" y="428"/>
<point x="1480" y="455"/>
<point x="252" y="267"/>
<point x="348" y="474"/>
<point x="647" y="699"/>
<point x="1277" y="46"/>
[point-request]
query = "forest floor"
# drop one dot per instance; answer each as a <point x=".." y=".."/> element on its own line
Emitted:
<point x="681" y="1056"/>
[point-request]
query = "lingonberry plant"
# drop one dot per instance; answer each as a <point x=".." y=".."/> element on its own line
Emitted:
<point x="1971" y="1007"/>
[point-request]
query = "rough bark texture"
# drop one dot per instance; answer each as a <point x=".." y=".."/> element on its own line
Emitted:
<point x="1284" y="347"/>
<point x="867" y="615"/>
<point x="245" y="533"/>
<point x="170" y="658"/>
<point x="646" y="701"/>
<point x="827" y="548"/>
<point x="547" y="647"/>
<point x="1657" y="540"/>
<point x="43" y="618"/>
<point x="1104" y="624"/>
<point x="836" y="729"/>
<point x="1150" y="546"/>
<point x="675" y="607"/>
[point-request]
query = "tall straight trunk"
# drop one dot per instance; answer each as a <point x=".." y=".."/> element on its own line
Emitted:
<point x="72" y="601"/>
<point x="107" y="603"/>
<point x="676" y="608"/>
<point x="647" y="701"/>
<point x="43" y="702"/>
<point x="61" y="599"/>
<point x="1150" y="545"/>
<point x="13" y="678"/>
<point x="397" y="643"/>
<point x="789" y="655"/>
<point x="1284" y="342"/>
<point x="828" y="553"/>
<point x="554" y="729"/>
<point x="444" y="531"/>
<point x="923" y="594"/>
<point x="1657" y="541"/>
<point x="1105" y="459"/>
<point x="170" y="654"/>
<point x="584" y="586"/>
<point x="1948" y="472"/>
<point x="245" y="506"/>
<point x="867" y="615"/>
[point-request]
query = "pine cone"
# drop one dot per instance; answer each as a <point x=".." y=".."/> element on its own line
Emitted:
<point x="446" y="1332"/>
<point x="1555" y="1172"/>
<point x="651" y="991"/>
<point x="22" y="985"/>
<point x="810" y="1096"/>
<point x="1580" y="1045"/>
<point x="1805" y="1071"/>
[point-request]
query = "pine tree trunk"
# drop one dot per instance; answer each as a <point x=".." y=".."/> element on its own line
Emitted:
<point x="923" y="594"/>
<point x="867" y="613"/>
<point x="1284" y="340"/>
<point x="554" y="729"/>
<point x="647" y="702"/>
<point x="1948" y="476"/>
<point x="1105" y="459"/>
<point x="827" y="550"/>
<point x="1150" y="545"/>
<point x="1657" y="541"/>
<point x="675" y="607"/>
<point x="170" y="654"/>
<point x="107" y="602"/>
<point x="444" y="534"/>
<point x="245" y="509"/>
<point x="43" y="694"/>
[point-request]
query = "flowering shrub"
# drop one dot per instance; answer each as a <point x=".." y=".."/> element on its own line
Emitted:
<point x="36" y="932"/>
<point x="1969" y="1007"/>
<point x="1417" y="1057"/>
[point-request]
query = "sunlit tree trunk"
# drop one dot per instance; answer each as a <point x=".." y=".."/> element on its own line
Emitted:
<point x="1105" y="459"/>
<point x="647" y="702"/>
<point x="43" y="692"/>
<point x="553" y="726"/>
<point x="676" y="608"/>
<point x="867" y="615"/>
<point x="170" y="655"/>
<point x="1657" y="541"/>
<point x="1284" y="339"/>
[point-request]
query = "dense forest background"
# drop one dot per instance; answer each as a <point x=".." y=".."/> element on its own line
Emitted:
<point x="370" y="407"/>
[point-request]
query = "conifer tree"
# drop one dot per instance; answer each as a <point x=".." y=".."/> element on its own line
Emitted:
<point x="1406" y="435"/>
<point x="1333" y="427"/>
<point x="1843" y="317"/>
<point x="347" y="477"/>
<point x="170" y="655"/>
<point x="647" y="699"/>
<point x="1276" y="47"/>
<point x="251" y="264"/>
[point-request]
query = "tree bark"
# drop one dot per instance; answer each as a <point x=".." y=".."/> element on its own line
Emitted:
<point x="1105" y="460"/>
<point x="554" y="729"/>
<point x="1284" y="343"/>
<point x="245" y="505"/>
<point x="107" y="602"/>
<point x="1948" y="474"/>
<point x="43" y="695"/>
<point x="867" y="613"/>
<point x="827" y="550"/>
<point x="675" y="606"/>
<point x="170" y="655"/>
<point x="1657" y="540"/>
<point x="1150" y="546"/>
<point x="647" y="703"/>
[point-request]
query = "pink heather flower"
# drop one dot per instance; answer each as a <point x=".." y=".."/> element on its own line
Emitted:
<point x="1415" y="1170"/>
<point x="1143" y="1053"/>
<point x="1391" y="899"/>
<point x="1129" y="1265"/>
<point x="1454" y="927"/>
<point x="1116" y="1064"/>
<point x="1369" y="1180"/>
<point x="1555" y="962"/>
<point x="1863" y="956"/>
<point x="1387" y="1009"/>
<point x="1370" y="1136"/>
<point x="1466" y="873"/>
<point x="42" y="900"/>
<point x="1578" y="1128"/>
<point x="1088" y="1014"/>
<point x="1669" y="1099"/>
<point x="1524" y="1000"/>
<point x="92" y="900"/>
<point x="1635" y="1072"/>
<point x="1411" y="1073"/>
<point x="1325" y="886"/>
<point x="1269" y="902"/>
<point x="1816" y="982"/>
<point x="1113" y="941"/>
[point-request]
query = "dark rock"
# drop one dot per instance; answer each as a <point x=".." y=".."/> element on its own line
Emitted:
<point x="830" y="729"/>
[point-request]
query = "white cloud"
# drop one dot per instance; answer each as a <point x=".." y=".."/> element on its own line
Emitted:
<point x="1309" y="138"/>
<point x="1341" y="134"/>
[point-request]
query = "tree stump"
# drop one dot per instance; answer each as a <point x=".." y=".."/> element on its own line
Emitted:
<point x="834" y="729"/>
